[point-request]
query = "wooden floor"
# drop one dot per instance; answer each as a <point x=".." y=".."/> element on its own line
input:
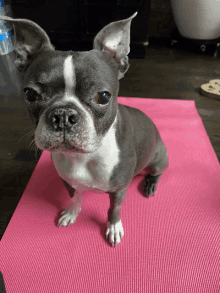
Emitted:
<point x="163" y="74"/>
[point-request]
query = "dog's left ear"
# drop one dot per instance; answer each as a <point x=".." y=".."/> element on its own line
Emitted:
<point x="115" y="40"/>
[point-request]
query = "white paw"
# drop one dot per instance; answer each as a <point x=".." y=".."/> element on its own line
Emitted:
<point x="68" y="216"/>
<point x="114" y="233"/>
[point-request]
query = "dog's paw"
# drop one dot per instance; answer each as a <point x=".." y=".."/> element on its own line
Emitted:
<point x="68" y="217"/>
<point x="150" y="185"/>
<point x="114" y="233"/>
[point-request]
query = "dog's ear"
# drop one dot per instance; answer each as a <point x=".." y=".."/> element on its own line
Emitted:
<point x="29" y="39"/>
<point x="115" y="40"/>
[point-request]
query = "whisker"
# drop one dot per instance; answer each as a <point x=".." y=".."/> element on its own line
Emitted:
<point x="29" y="127"/>
<point x="31" y="145"/>
<point x="28" y="135"/>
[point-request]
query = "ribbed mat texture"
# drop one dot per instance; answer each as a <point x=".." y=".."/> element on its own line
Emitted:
<point x="171" y="241"/>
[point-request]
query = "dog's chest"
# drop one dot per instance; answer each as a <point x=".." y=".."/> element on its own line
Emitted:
<point x="86" y="171"/>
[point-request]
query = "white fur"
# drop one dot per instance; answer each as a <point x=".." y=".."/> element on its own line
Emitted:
<point x="90" y="171"/>
<point x="114" y="232"/>
<point x="69" y="75"/>
<point x="70" y="83"/>
<point x="70" y="214"/>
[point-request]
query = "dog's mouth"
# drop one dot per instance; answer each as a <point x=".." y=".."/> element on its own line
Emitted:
<point x="82" y="140"/>
<point x="64" y="146"/>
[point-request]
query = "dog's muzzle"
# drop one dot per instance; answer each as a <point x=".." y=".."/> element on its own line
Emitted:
<point x="63" y="118"/>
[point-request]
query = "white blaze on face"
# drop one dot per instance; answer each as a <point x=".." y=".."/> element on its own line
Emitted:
<point x="69" y="76"/>
<point x="88" y="132"/>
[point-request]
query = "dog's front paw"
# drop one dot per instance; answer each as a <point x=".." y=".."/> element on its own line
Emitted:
<point x="114" y="233"/>
<point x="68" y="217"/>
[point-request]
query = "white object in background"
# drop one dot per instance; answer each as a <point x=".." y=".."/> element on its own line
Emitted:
<point x="197" y="19"/>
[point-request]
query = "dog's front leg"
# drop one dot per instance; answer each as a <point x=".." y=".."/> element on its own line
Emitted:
<point x="115" y="230"/>
<point x="70" y="214"/>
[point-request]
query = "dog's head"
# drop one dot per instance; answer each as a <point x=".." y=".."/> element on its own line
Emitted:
<point x="71" y="96"/>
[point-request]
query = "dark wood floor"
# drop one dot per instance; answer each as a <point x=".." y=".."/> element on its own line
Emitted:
<point x="163" y="74"/>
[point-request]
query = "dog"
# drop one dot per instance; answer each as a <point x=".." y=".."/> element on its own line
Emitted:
<point x="95" y="143"/>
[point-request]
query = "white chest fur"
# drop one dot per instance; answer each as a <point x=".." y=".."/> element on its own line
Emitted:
<point x="90" y="171"/>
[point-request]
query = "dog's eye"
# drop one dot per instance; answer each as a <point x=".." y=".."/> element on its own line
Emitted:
<point x="31" y="95"/>
<point x="103" y="97"/>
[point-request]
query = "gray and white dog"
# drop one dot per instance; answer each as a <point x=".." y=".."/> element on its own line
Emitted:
<point x="95" y="143"/>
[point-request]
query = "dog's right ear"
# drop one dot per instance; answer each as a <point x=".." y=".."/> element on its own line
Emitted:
<point x="30" y="38"/>
<point x="114" y="39"/>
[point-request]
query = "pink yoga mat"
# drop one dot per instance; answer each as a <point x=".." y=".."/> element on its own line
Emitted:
<point x="171" y="242"/>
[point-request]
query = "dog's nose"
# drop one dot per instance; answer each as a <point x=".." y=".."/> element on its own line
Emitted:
<point x="63" y="118"/>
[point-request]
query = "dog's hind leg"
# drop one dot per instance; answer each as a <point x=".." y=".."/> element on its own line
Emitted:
<point x="159" y="165"/>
